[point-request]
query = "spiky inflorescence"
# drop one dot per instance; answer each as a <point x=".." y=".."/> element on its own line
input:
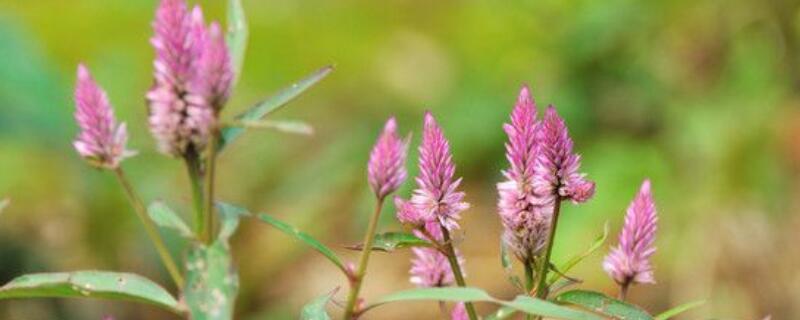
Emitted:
<point x="429" y="266"/>
<point x="436" y="197"/>
<point x="629" y="261"/>
<point x="556" y="166"/>
<point x="525" y="216"/>
<point x="386" y="169"/>
<point x="101" y="141"/>
<point x="459" y="312"/>
<point x="192" y="78"/>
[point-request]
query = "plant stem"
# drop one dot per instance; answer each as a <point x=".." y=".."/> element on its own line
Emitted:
<point x="196" y="180"/>
<point x="356" y="279"/>
<point x="528" y="281"/>
<point x="210" y="214"/>
<point x="541" y="288"/>
<point x="623" y="290"/>
<point x="150" y="228"/>
<point x="450" y="252"/>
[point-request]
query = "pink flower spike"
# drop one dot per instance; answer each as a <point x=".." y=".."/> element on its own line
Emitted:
<point x="430" y="268"/>
<point x="101" y="141"/>
<point x="629" y="262"/>
<point x="212" y="84"/>
<point x="436" y="196"/>
<point x="459" y="312"/>
<point x="386" y="168"/>
<point x="556" y="166"/>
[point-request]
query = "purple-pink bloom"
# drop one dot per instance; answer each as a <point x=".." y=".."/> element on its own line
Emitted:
<point x="436" y="197"/>
<point x="429" y="266"/>
<point x="525" y="216"/>
<point x="386" y="169"/>
<point x="459" y="312"/>
<point x="192" y="78"/>
<point x="101" y="141"/>
<point x="629" y="261"/>
<point x="556" y="166"/>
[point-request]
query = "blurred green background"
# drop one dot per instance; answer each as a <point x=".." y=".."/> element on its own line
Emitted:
<point x="702" y="96"/>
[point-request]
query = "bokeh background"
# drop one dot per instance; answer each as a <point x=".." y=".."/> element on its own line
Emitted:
<point x="702" y="96"/>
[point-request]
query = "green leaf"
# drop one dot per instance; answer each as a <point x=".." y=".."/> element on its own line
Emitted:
<point x="236" y="36"/>
<point x="548" y="309"/>
<point x="600" y="303"/>
<point x="572" y="262"/>
<point x="679" y="309"/>
<point x="90" y="284"/>
<point x="305" y="238"/>
<point x="503" y="312"/>
<point x="165" y="218"/>
<point x="315" y="310"/>
<point x="211" y="280"/>
<point x="390" y="241"/>
<point x="272" y="103"/>
<point x="505" y="261"/>
<point x="286" y="126"/>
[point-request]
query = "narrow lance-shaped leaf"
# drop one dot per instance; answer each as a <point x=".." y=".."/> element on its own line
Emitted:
<point x="90" y="284"/>
<point x="600" y="303"/>
<point x="548" y="309"/>
<point x="504" y="312"/>
<point x="286" y="126"/>
<point x="572" y="262"/>
<point x="164" y="217"/>
<point x="679" y="309"/>
<point x="236" y="36"/>
<point x="315" y="310"/>
<point x="272" y="103"/>
<point x="390" y="241"/>
<point x="305" y="238"/>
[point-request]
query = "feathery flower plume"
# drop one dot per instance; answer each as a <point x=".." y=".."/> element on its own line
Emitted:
<point x="192" y="78"/>
<point x="459" y="312"/>
<point x="629" y="262"/>
<point x="386" y="168"/>
<point x="524" y="215"/>
<point x="556" y="166"/>
<point x="101" y="141"/>
<point x="436" y="197"/>
<point x="430" y="267"/>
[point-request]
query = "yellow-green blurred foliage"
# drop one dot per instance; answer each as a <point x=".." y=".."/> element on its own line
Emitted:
<point x="702" y="96"/>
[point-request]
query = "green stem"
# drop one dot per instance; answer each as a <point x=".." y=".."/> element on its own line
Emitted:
<point x="450" y="252"/>
<point x="623" y="290"/>
<point x="541" y="288"/>
<point x="528" y="281"/>
<point x="150" y="228"/>
<point x="356" y="279"/>
<point x="209" y="214"/>
<point x="196" y="180"/>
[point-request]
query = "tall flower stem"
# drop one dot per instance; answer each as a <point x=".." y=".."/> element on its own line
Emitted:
<point x="541" y="288"/>
<point x="209" y="214"/>
<point x="450" y="252"/>
<point x="356" y="279"/>
<point x="196" y="180"/>
<point x="623" y="290"/>
<point x="150" y="228"/>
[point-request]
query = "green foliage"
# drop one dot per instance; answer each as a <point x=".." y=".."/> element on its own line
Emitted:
<point x="305" y="238"/>
<point x="286" y="126"/>
<point x="236" y="36"/>
<point x="572" y="262"/>
<point x="90" y="284"/>
<point x="272" y="104"/>
<point x="679" y="309"/>
<point x="600" y="303"/>
<point x="505" y="261"/>
<point x="211" y="280"/>
<point x="315" y="310"/>
<point x="390" y="241"/>
<point x="166" y="218"/>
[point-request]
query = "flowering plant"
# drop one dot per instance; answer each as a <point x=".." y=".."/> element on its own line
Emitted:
<point x="195" y="70"/>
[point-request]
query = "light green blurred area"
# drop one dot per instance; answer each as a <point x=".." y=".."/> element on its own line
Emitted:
<point x="700" y="96"/>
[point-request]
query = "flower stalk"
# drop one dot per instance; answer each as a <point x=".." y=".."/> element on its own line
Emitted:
<point x="207" y="227"/>
<point x="541" y="287"/>
<point x="196" y="181"/>
<point x="357" y="279"/>
<point x="452" y="258"/>
<point x="150" y="228"/>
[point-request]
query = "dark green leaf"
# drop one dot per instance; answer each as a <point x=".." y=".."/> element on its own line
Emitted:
<point x="391" y="241"/>
<point x="164" y="217"/>
<point x="315" y="310"/>
<point x="305" y="238"/>
<point x="679" y="309"/>
<point x="236" y="36"/>
<point x="572" y="262"/>
<point x="271" y="104"/>
<point x="90" y="284"/>
<point x="600" y="303"/>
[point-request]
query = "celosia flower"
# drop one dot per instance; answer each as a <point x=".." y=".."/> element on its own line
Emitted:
<point x="525" y="217"/>
<point x="386" y="168"/>
<point x="101" y="141"/>
<point x="192" y="78"/>
<point x="459" y="312"/>
<point x="429" y="266"/>
<point x="408" y="214"/>
<point x="436" y="196"/>
<point x="556" y="166"/>
<point x="629" y="261"/>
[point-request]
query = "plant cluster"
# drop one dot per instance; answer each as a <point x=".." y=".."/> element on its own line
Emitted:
<point x="195" y="69"/>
